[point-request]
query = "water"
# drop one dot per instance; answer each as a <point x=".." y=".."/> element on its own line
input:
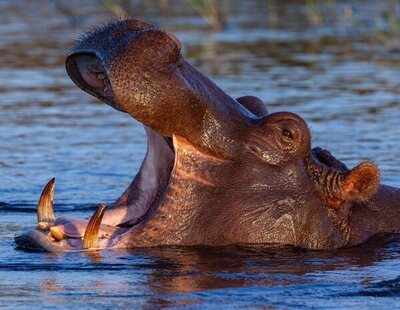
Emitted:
<point x="346" y="86"/>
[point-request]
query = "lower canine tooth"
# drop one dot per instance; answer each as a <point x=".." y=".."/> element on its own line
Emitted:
<point x="91" y="237"/>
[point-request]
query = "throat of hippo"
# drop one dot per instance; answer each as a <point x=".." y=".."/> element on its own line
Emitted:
<point x="185" y="216"/>
<point x="193" y="195"/>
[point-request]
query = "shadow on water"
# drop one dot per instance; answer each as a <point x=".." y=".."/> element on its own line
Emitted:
<point x="319" y="61"/>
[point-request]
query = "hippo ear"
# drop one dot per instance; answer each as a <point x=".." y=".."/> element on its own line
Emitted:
<point x="360" y="183"/>
<point x="336" y="185"/>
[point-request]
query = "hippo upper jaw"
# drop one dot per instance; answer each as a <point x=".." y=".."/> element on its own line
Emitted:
<point x="139" y="70"/>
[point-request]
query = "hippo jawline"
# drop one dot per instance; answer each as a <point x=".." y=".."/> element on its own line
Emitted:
<point x="134" y="207"/>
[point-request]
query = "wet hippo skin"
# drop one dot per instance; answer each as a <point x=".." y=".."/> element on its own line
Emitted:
<point x="218" y="171"/>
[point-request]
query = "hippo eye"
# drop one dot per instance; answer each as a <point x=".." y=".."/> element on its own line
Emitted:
<point x="286" y="133"/>
<point x="100" y="76"/>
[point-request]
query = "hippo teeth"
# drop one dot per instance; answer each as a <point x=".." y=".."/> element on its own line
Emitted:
<point x="91" y="237"/>
<point x="45" y="211"/>
<point x="56" y="233"/>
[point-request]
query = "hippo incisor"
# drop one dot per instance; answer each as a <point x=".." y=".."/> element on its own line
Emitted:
<point x="218" y="171"/>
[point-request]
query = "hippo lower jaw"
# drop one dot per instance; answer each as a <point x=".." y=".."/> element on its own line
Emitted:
<point x="134" y="207"/>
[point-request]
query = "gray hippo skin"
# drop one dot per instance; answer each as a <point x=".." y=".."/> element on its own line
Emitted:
<point x="218" y="171"/>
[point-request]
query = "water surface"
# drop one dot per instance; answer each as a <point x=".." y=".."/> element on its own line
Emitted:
<point x="343" y="82"/>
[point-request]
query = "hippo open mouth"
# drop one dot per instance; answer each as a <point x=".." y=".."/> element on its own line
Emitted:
<point x="217" y="170"/>
<point x="134" y="207"/>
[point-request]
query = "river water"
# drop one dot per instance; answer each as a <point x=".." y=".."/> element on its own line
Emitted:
<point x="325" y="62"/>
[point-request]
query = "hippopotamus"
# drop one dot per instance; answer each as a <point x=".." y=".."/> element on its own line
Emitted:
<point x="218" y="171"/>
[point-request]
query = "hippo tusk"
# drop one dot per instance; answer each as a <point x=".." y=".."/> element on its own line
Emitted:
<point x="90" y="239"/>
<point x="45" y="211"/>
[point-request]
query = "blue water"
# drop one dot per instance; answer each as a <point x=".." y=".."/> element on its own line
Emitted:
<point x="340" y="77"/>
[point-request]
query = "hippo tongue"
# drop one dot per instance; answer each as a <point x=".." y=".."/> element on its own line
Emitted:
<point x="68" y="227"/>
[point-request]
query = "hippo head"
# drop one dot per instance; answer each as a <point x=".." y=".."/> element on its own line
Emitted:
<point x="217" y="171"/>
